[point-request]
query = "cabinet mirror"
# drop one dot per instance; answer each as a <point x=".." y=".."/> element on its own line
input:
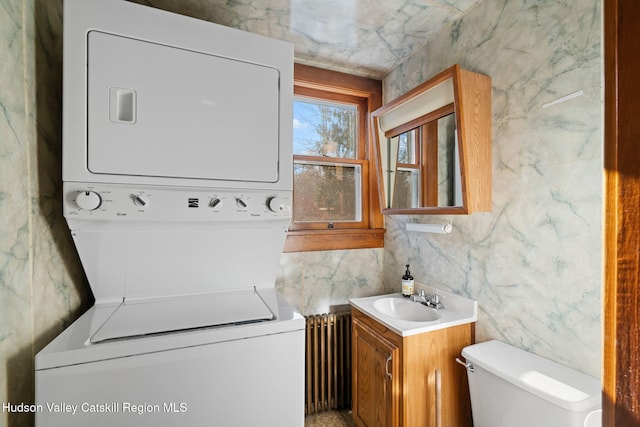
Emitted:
<point x="423" y="167"/>
<point x="434" y="146"/>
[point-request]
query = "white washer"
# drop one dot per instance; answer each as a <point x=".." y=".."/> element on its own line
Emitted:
<point x="242" y="375"/>
<point x="245" y="375"/>
<point x="179" y="210"/>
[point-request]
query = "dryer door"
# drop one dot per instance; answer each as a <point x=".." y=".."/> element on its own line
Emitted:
<point x="162" y="111"/>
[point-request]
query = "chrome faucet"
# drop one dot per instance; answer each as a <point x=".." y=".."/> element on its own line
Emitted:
<point x="419" y="297"/>
<point x="432" y="301"/>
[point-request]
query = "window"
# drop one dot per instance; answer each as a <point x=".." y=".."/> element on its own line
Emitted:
<point x="335" y="193"/>
<point x="328" y="162"/>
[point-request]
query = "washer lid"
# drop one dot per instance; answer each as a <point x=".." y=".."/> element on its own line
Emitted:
<point x="164" y="315"/>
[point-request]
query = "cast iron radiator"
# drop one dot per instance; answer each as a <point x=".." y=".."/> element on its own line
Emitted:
<point x="328" y="362"/>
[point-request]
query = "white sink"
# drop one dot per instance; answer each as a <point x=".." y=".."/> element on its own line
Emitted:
<point x="404" y="309"/>
<point x="406" y="317"/>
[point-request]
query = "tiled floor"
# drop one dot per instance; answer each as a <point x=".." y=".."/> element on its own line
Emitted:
<point x="330" y="419"/>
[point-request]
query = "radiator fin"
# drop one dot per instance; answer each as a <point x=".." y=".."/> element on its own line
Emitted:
<point x="328" y="362"/>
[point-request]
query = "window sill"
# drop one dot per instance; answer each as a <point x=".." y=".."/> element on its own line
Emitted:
<point x="327" y="240"/>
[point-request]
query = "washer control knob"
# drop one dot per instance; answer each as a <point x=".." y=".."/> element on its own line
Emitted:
<point x="215" y="202"/>
<point x="276" y="204"/>
<point x="88" y="200"/>
<point x="140" y="201"/>
<point x="241" y="203"/>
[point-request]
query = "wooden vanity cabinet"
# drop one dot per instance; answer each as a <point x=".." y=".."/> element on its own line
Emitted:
<point x="410" y="381"/>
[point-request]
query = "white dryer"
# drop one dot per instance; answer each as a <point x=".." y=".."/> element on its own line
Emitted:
<point x="177" y="171"/>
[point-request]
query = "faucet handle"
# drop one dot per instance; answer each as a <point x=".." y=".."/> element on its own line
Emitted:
<point x="421" y="293"/>
<point x="434" y="301"/>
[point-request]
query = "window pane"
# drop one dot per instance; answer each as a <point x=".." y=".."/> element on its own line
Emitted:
<point x="407" y="147"/>
<point x="406" y="192"/>
<point x="324" y="129"/>
<point x="328" y="193"/>
<point x="446" y="160"/>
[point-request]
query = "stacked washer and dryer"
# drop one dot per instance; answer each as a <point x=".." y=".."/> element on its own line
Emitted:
<point x="177" y="182"/>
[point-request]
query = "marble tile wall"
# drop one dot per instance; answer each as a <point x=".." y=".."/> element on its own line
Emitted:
<point x="318" y="282"/>
<point x="41" y="283"/>
<point x="15" y="203"/>
<point x="359" y="37"/>
<point x="534" y="263"/>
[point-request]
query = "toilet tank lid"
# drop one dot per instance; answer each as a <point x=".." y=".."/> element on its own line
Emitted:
<point x="558" y="384"/>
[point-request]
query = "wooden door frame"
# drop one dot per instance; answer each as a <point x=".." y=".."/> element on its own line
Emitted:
<point x="621" y="370"/>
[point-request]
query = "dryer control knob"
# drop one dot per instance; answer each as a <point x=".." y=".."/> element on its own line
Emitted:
<point x="276" y="204"/>
<point x="88" y="200"/>
<point x="140" y="201"/>
<point x="241" y="203"/>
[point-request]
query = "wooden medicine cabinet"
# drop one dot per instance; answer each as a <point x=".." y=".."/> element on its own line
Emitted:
<point x="433" y="146"/>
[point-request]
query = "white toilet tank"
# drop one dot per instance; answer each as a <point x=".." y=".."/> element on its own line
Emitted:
<point x="511" y="387"/>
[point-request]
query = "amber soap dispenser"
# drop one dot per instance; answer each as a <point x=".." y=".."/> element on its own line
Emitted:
<point x="407" y="283"/>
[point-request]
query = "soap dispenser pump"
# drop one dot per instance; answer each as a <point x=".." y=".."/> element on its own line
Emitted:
<point x="407" y="283"/>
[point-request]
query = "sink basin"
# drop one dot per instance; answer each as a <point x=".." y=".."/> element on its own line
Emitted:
<point x="407" y="318"/>
<point x="402" y="309"/>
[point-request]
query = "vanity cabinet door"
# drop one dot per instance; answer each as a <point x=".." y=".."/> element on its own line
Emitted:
<point x="430" y="371"/>
<point x="411" y="381"/>
<point x="376" y="378"/>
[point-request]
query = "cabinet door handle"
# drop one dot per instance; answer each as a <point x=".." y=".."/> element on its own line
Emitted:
<point x="386" y="366"/>
<point x="438" y="398"/>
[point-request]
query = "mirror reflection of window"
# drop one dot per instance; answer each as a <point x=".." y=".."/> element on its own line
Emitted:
<point x="426" y="169"/>
<point x="407" y="192"/>
<point x="407" y="147"/>
<point x="446" y="160"/>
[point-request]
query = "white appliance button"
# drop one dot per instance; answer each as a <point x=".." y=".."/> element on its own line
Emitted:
<point x="88" y="200"/>
<point x="215" y="202"/>
<point x="140" y="201"/>
<point x="241" y="203"/>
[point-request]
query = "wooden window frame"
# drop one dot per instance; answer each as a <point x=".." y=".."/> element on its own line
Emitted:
<point x="359" y="159"/>
<point x="369" y="233"/>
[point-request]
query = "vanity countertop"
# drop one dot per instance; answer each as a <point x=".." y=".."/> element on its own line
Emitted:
<point x="457" y="310"/>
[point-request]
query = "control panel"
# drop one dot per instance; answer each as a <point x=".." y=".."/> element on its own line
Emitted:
<point x="179" y="204"/>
